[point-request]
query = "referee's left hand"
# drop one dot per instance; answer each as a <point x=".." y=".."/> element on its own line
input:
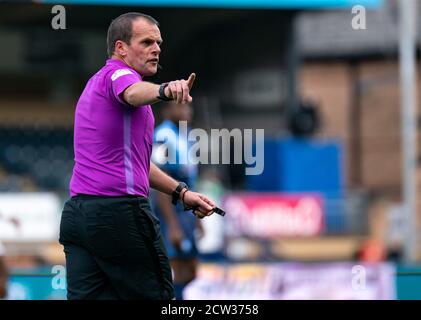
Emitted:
<point x="203" y="204"/>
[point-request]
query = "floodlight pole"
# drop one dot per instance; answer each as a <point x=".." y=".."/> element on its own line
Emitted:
<point x="407" y="64"/>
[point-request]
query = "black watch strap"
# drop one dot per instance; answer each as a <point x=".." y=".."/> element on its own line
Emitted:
<point x="177" y="191"/>
<point x="162" y="95"/>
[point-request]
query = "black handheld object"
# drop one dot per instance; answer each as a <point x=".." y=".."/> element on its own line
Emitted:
<point x="216" y="210"/>
<point x="219" y="211"/>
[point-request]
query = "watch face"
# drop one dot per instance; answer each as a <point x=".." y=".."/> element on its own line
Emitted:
<point x="162" y="92"/>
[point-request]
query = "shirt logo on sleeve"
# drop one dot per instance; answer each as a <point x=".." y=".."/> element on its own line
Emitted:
<point x="120" y="72"/>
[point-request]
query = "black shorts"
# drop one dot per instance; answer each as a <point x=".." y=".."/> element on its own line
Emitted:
<point x="114" y="249"/>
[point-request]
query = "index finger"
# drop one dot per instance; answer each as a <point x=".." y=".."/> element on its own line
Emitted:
<point x="191" y="79"/>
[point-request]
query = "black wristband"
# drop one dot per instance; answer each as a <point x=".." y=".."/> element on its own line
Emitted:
<point x="176" y="193"/>
<point x="161" y="91"/>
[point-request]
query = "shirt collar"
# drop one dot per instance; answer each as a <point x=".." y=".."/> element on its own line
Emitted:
<point x="117" y="62"/>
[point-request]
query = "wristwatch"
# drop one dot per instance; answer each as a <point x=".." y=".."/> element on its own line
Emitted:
<point x="176" y="193"/>
<point x="161" y="91"/>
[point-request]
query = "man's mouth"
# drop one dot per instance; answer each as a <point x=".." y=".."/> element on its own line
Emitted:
<point x="153" y="60"/>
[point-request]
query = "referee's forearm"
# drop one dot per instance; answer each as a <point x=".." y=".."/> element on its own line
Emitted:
<point x="160" y="181"/>
<point x="141" y="93"/>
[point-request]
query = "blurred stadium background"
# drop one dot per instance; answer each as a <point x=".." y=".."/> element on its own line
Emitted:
<point x="328" y="96"/>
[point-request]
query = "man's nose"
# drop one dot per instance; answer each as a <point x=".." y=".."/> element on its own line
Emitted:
<point x="156" y="48"/>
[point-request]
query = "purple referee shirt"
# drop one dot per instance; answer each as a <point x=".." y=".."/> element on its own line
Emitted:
<point x="112" y="140"/>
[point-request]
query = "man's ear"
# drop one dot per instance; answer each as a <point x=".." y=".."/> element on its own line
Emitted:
<point x="120" y="48"/>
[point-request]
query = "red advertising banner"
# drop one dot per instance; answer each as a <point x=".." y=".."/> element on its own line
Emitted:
<point x="268" y="215"/>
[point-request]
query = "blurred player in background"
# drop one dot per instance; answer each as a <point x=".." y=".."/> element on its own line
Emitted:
<point x="179" y="227"/>
<point x="3" y="273"/>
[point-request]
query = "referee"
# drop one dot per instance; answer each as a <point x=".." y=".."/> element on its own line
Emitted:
<point x="111" y="239"/>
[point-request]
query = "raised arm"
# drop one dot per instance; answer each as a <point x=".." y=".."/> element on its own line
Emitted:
<point x="143" y="93"/>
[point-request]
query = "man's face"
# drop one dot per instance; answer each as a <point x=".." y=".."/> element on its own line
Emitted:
<point x="142" y="54"/>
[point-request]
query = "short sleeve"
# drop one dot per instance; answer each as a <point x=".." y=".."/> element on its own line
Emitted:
<point x="121" y="79"/>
